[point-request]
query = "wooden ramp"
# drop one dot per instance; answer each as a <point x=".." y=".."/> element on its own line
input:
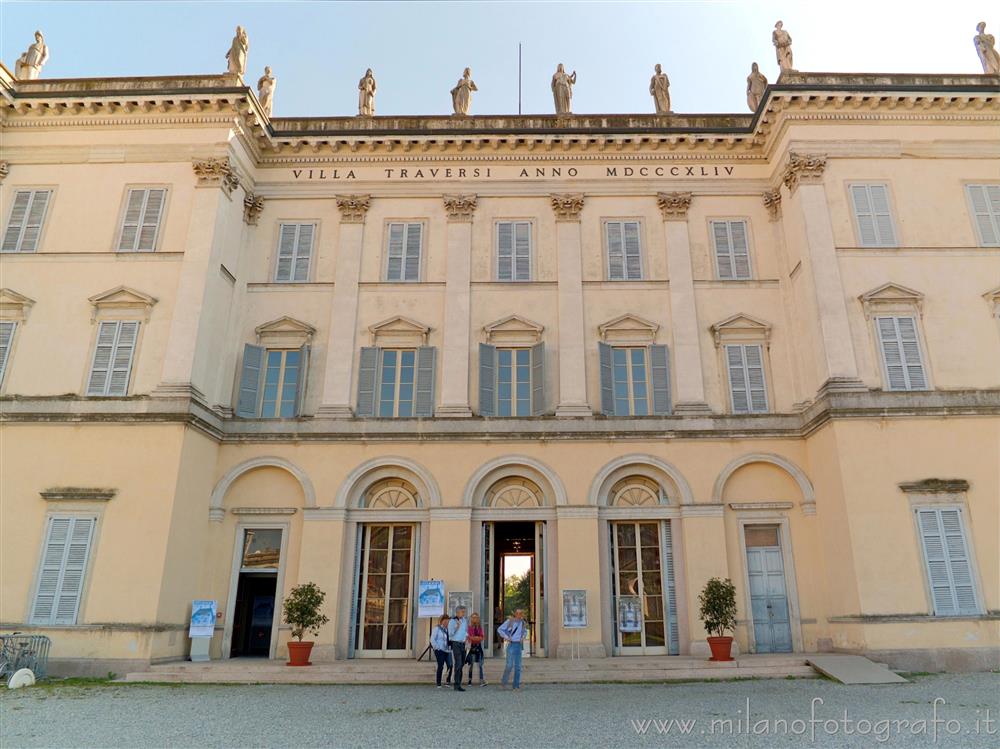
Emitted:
<point x="854" y="669"/>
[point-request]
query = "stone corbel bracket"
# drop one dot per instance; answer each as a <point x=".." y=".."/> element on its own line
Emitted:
<point x="567" y="207"/>
<point x="460" y="208"/>
<point x="353" y="208"/>
<point x="253" y="205"/>
<point x="803" y="169"/>
<point x="772" y="201"/>
<point x="4" y="170"/>
<point x="674" y="205"/>
<point x="216" y="173"/>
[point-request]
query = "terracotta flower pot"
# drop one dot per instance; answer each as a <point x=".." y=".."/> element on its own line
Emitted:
<point x="721" y="648"/>
<point x="298" y="653"/>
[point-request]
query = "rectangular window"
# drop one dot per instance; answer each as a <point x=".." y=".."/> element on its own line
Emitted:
<point x="732" y="253"/>
<point x="295" y="244"/>
<point x="747" y="388"/>
<point x="396" y="383"/>
<point x="631" y="381"/>
<point x="985" y="201"/>
<point x="24" y="225"/>
<point x="113" y="354"/>
<point x="7" y="328"/>
<point x="624" y="251"/>
<point x="141" y="222"/>
<point x="280" y="396"/>
<point x="404" y="252"/>
<point x="947" y="560"/>
<point x="514" y="251"/>
<point x="513" y="382"/>
<point x="902" y="359"/>
<point x="63" y="566"/>
<point x="872" y="214"/>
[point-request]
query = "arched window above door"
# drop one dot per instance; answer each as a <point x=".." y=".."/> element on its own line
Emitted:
<point x="392" y="494"/>
<point x="514" y="492"/>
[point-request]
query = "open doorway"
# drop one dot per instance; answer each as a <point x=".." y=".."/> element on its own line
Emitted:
<point x="514" y="578"/>
<point x="253" y="616"/>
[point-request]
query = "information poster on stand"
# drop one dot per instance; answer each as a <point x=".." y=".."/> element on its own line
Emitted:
<point x="430" y="598"/>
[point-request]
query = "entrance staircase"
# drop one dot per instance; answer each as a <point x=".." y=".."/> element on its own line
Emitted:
<point x="536" y="670"/>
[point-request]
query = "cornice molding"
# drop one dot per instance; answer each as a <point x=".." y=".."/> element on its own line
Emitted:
<point x="77" y="494"/>
<point x="935" y="486"/>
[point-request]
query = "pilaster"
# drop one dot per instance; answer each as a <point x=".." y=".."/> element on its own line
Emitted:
<point x="703" y="544"/>
<point x="572" y="351"/>
<point x="340" y="354"/>
<point x="457" y="307"/>
<point x="690" y="381"/>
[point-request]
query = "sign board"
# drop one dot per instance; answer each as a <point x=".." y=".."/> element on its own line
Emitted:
<point x="202" y="619"/>
<point x="574" y="609"/>
<point x="430" y="598"/>
<point x="629" y="614"/>
<point x="458" y="598"/>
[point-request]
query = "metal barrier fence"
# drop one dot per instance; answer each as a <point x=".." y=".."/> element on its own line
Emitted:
<point x="24" y="651"/>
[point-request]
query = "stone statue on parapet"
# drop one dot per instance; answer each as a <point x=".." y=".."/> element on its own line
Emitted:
<point x="366" y="95"/>
<point x="986" y="48"/>
<point x="29" y="65"/>
<point x="562" y="89"/>
<point x="782" y="41"/>
<point x="265" y="90"/>
<point x="659" y="88"/>
<point x="756" y="84"/>
<point x="461" y="95"/>
<point x="237" y="54"/>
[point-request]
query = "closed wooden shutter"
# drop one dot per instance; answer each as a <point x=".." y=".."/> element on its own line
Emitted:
<point x="113" y="355"/>
<point x="286" y="252"/>
<point x="659" y="366"/>
<point x="7" y="328"/>
<point x="633" y="251"/>
<point x="367" y="370"/>
<point x="538" y="379"/>
<point x="949" y="568"/>
<point x="985" y="201"/>
<point x="871" y="211"/>
<point x="616" y="251"/>
<point x="505" y="251"/>
<point x="624" y="251"/>
<point x="673" y="638"/>
<point x="64" y="564"/>
<point x="732" y="250"/>
<point x="303" y="378"/>
<point x="487" y="379"/>
<point x="248" y="398"/>
<point x="901" y="354"/>
<point x="141" y="222"/>
<point x="514" y="251"/>
<point x="411" y="261"/>
<point x="607" y="379"/>
<point x="24" y="225"/>
<point x="295" y="246"/>
<point x="747" y="386"/>
<point x="404" y="252"/>
<point x="423" y="405"/>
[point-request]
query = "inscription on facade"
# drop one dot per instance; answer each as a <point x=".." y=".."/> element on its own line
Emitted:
<point x="591" y="171"/>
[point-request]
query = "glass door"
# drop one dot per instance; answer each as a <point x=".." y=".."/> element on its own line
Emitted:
<point x="385" y="589"/>
<point x="538" y="591"/>
<point x="640" y="622"/>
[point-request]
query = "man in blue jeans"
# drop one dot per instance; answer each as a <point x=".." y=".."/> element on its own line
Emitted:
<point x="512" y="632"/>
<point x="458" y="634"/>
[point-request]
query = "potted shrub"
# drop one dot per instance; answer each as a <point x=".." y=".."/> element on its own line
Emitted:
<point x="302" y="612"/>
<point x="718" y="614"/>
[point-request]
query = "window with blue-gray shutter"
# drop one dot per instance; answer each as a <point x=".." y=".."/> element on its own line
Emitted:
<point x="624" y="250"/>
<point x="872" y="215"/>
<point x="487" y="379"/>
<point x="403" y="253"/>
<point x="985" y="201"/>
<point x="947" y="560"/>
<point x="902" y="359"/>
<point x="295" y="250"/>
<point x="732" y="251"/>
<point x="426" y="358"/>
<point x="272" y="382"/>
<point x="511" y="380"/>
<point x="397" y="383"/>
<point x="747" y="387"/>
<point x="111" y="367"/>
<point x="24" y="224"/>
<point x="7" y="328"/>
<point x="140" y="225"/>
<point x="635" y="380"/>
<point x="61" y="575"/>
<point x="514" y="251"/>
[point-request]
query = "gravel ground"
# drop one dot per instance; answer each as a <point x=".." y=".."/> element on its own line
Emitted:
<point x="545" y="715"/>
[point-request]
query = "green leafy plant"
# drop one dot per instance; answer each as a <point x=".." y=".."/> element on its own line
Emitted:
<point x="302" y="609"/>
<point x="718" y="606"/>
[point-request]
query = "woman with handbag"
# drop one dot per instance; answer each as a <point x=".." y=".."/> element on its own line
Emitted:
<point x="476" y="637"/>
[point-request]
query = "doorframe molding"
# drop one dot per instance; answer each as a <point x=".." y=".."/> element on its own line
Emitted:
<point x="788" y="565"/>
<point x="234" y="580"/>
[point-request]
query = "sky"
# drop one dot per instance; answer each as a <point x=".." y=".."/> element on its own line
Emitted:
<point x="319" y="50"/>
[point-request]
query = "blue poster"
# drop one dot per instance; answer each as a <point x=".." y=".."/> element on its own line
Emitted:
<point x="430" y="598"/>
<point x="202" y="619"/>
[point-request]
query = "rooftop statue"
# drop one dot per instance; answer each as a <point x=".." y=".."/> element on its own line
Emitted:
<point x="265" y="90"/>
<point x="986" y="47"/>
<point x="756" y="83"/>
<point x="461" y="95"/>
<point x="366" y="95"/>
<point x="659" y="88"/>
<point x="237" y="54"/>
<point x="782" y="41"/>
<point x="562" y="89"/>
<point x="29" y="65"/>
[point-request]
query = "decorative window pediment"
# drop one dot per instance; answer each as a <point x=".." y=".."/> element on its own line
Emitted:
<point x="285" y="332"/>
<point x="121" y="302"/>
<point x="399" y="331"/>
<point x="628" y="329"/>
<point x="513" y="330"/>
<point x="14" y="306"/>
<point x="741" y="328"/>
<point x="891" y="297"/>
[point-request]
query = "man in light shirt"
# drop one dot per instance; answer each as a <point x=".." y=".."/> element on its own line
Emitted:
<point x="458" y="633"/>
<point x="513" y="631"/>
